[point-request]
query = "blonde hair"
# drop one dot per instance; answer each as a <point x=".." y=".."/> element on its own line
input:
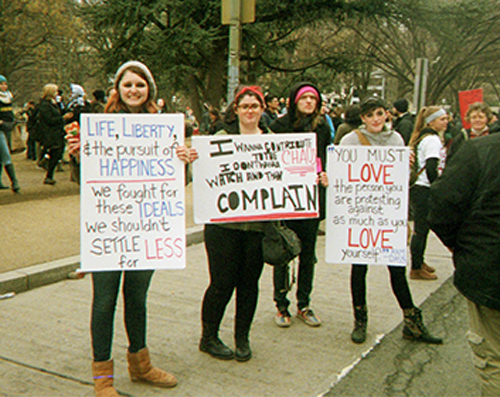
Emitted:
<point x="50" y="91"/>
<point x="420" y="123"/>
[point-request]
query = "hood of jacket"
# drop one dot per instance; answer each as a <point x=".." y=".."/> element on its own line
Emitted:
<point x="292" y="106"/>
<point x="77" y="94"/>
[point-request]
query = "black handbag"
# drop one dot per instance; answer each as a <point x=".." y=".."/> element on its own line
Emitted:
<point x="280" y="244"/>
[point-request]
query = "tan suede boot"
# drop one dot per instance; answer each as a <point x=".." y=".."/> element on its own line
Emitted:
<point x="102" y="372"/>
<point x="141" y="370"/>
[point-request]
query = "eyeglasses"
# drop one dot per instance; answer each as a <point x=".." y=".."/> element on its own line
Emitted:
<point x="245" y="107"/>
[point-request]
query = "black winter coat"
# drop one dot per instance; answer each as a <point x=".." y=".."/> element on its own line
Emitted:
<point x="465" y="214"/>
<point x="404" y="125"/>
<point x="50" y="124"/>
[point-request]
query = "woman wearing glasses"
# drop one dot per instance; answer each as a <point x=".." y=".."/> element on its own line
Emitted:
<point x="234" y="253"/>
<point x="374" y="132"/>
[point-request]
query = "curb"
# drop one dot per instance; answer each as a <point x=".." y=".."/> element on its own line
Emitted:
<point x="31" y="277"/>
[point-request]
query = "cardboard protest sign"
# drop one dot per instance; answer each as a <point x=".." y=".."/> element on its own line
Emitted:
<point x="367" y="205"/>
<point x="467" y="98"/>
<point x="240" y="178"/>
<point x="132" y="192"/>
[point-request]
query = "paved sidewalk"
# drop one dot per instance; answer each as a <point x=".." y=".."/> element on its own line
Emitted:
<point x="45" y="349"/>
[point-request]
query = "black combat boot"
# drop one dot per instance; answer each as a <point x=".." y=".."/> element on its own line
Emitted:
<point x="243" y="351"/>
<point x="358" y="334"/>
<point x="211" y="344"/>
<point x="415" y="329"/>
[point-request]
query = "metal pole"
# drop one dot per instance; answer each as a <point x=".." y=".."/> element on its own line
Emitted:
<point x="234" y="49"/>
<point x="420" y="90"/>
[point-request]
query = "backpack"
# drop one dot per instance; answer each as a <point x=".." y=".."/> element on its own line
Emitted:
<point x="415" y="171"/>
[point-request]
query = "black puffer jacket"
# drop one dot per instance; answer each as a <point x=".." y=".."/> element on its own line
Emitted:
<point x="465" y="214"/>
<point x="290" y="123"/>
<point x="51" y="124"/>
<point x="404" y="125"/>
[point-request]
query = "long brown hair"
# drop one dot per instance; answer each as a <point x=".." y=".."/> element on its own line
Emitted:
<point x="115" y="103"/>
<point x="420" y="123"/>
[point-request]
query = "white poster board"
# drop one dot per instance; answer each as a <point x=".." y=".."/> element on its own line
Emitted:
<point x="367" y="205"/>
<point x="241" y="178"/>
<point x="132" y="192"/>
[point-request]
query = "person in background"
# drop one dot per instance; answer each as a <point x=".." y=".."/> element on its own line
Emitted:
<point x="216" y="123"/>
<point x="304" y="115"/>
<point x="283" y="105"/>
<point x="76" y="104"/>
<point x="404" y="120"/>
<point x="60" y="101"/>
<point x="271" y="112"/>
<point x="479" y="116"/>
<point x="465" y="214"/>
<point x="99" y="101"/>
<point x="352" y="121"/>
<point x="336" y="114"/>
<point x="31" y="111"/>
<point x="374" y="132"/>
<point x="51" y="130"/>
<point x="7" y="122"/>
<point x="325" y="111"/>
<point x="494" y="125"/>
<point x="428" y="141"/>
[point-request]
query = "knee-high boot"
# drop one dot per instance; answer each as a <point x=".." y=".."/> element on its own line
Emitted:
<point x="12" y="176"/>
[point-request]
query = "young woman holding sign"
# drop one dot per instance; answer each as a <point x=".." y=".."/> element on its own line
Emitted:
<point x="304" y="115"/>
<point x="135" y="91"/>
<point x="374" y="132"/>
<point x="234" y="253"/>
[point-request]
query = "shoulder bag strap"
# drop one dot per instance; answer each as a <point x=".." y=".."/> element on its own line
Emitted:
<point x="362" y="138"/>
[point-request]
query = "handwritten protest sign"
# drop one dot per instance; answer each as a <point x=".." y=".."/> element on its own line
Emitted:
<point x="367" y="206"/>
<point x="132" y="192"/>
<point x="240" y="178"/>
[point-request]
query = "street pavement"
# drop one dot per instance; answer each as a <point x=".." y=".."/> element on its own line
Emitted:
<point x="44" y="328"/>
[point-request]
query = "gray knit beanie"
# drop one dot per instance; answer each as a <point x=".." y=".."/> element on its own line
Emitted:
<point x="146" y="71"/>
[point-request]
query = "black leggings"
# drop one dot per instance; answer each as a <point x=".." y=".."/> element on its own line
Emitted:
<point x="398" y="282"/>
<point x="235" y="262"/>
<point x="106" y="286"/>
<point x="419" y="199"/>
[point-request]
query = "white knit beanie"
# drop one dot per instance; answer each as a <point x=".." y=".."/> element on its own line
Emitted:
<point x="147" y="72"/>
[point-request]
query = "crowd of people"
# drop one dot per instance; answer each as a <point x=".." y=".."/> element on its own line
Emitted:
<point x="439" y="200"/>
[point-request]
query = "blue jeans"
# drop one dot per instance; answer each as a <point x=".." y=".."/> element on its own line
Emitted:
<point x="5" y="158"/>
